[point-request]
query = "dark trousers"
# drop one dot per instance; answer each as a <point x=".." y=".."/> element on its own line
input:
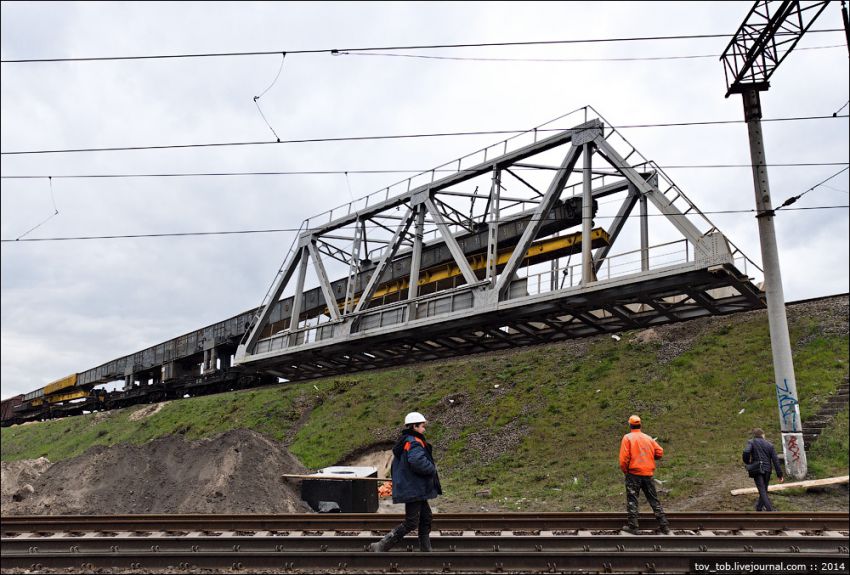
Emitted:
<point x="634" y="485"/>
<point x="417" y="515"/>
<point x="763" y="504"/>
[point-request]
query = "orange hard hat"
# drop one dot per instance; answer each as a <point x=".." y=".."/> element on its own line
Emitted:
<point x="634" y="420"/>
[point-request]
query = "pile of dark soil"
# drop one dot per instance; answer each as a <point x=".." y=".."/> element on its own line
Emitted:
<point x="235" y="472"/>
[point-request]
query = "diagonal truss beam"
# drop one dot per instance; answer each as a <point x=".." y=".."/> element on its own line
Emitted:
<point x="389" y="253"/>
<point x="456" y="251"/>
<point x="614" y="231"/>
<point x="334" y="252"/>
<point x="365" y="237"/>
<point x="298" y="298"/>
<point x="546" y="203"/>
<point x="323" y="280"/>
<point x="529" y="186"/>
<point x="460" y="219"/>
<point x="275" y="294"/>
<point x="676" y="217"/>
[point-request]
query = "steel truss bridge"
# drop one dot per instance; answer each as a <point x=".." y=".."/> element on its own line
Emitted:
<point x="435" y="267"/>
<point x="507" y="246"/>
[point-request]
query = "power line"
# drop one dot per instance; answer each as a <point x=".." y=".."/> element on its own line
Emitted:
<point x="164" y="235"/>
<point x="265" y="142"/>
<point x="396" y="137"/>
<point x="266" y="231"/>
<point x="793" y="199"/>
<point x="336" y="51"/>
<point x="339" y="172"/>
<point x="257" y="98"/>
<point x="552" y="60"/>
<point x="48" y="218"/>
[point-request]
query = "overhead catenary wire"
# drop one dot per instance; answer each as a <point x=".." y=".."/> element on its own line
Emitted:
<point x="335" y="51"/>
<point x="401" y="136"/>
<point x="45" y="220"/>
<point x="163" y="235"/>
<point x="397" y="171"/>
<point x="793" y="199"/>
<point x="348" y="185"/>
<point x="835" y="189"/>
<point x="556" y="60"/>
<point x="278" y="230"/>
<point x="263" y="93"/>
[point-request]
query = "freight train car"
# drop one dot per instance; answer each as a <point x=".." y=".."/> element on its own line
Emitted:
<point x="57" y="398"/>
<point x="66" y="398"/>
<point x="7" y="407"/>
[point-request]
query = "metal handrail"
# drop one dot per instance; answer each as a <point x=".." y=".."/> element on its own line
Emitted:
<point x="669" y="180"/>
<point x="459" y="161"/>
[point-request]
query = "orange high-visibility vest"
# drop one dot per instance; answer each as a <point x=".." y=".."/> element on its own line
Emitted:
<point x="638" y="453"/>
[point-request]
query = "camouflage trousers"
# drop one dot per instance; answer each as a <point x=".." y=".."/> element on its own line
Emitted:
<point x="634" y="485"/>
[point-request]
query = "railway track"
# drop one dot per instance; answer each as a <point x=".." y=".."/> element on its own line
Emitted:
<point x="475" y="543"/>
<point x="443" y="521"/>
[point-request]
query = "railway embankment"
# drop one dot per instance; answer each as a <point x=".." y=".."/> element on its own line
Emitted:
<point x="530" y="429"/>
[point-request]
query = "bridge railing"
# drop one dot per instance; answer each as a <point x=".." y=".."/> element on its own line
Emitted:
<point x="626" y="263"/>
<point x="442" y="302"/>
<point x="669" y="189"/>
<point x="518" y="140"/>
<point x="561" y="278"/>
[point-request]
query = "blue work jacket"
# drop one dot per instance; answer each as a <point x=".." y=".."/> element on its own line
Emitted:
<point x="414" y="473"/>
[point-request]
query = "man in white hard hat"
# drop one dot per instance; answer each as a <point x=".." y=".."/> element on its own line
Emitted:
<point x="415" y="481"/>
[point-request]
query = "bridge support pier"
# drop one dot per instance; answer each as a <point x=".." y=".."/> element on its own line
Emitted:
<point x="210" y="360"/>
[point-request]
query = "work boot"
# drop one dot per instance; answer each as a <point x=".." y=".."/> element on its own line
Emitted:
<point x="386" y="543"/>
<point x="629" y="529"/>
<point x="425" y="542"/>
<point x="664" y="530"/>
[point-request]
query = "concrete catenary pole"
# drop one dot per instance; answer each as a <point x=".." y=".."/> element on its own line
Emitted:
<point x="780" y="342"/>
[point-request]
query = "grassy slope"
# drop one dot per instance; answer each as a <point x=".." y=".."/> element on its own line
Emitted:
<point x="545" y="438"/>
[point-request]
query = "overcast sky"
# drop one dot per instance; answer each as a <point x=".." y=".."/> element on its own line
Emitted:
<point x="71" y="305"/>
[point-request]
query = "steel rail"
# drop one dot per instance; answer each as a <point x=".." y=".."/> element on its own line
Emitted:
<point x="827" y="521"/>
<point x="436" y="562"/>
<point x="787" y="542"/>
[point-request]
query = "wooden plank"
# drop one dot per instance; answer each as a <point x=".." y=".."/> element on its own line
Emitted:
<point x="346" y="477"/>
<point x="804" y="484"/>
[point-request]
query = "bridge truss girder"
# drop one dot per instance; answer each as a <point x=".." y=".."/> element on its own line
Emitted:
<point x="491" y="307"/>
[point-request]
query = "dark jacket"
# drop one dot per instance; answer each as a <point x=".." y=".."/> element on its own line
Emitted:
<point x="414" y="473"/>
<point x="761" y="450"/>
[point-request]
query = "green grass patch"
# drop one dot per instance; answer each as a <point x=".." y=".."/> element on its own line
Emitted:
<point x="540" y="427"/>
<point x="828" y="456"/>
<point x="269" y="410"/>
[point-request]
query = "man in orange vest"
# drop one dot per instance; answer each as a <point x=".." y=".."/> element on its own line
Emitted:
<point x="638" y="453"/>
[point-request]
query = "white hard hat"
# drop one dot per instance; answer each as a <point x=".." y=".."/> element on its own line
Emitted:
<point x="414" y="417"/>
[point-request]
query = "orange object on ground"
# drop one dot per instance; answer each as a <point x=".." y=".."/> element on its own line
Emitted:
<point x="638" y="453"/>
<point x="386" y="489"/>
